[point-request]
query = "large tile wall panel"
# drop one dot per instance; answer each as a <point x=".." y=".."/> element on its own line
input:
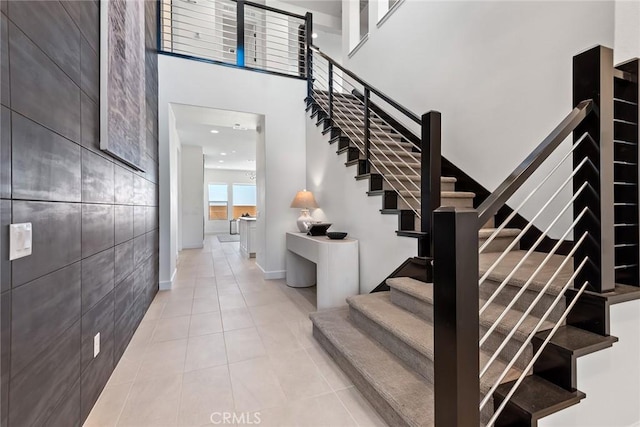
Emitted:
<point x="97" y="178"/>
<point x="97" y="228"/>
<point x="68" y="411"/>
<point x="49" y="26"/>
<point x="97" y="278"/>
<point x="40" y="90"/>
<point x="86" y="15"/>
<point x="36" y="392"/>
<point x="56" y="238"/>
<point x="45" y="165"/>
<point x="5" y="267"/>
<point x="123" y="261"/>
<point x="4" y="61"/>
<point x="123" y="186"/>
<point x="123" y="223"/>
<point x="5" y="153"/>
<point x="5" y="355"/>
<point x="90" y="71"/>
<point x="89" y="272"/>
<point x="97" y="320"/>
<point x="42" y="311"/>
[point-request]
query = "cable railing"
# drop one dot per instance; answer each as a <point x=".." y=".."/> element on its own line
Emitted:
<point x="237" y="32"/>
<point x="360" y="112"/>
<point x="526" y="291"/>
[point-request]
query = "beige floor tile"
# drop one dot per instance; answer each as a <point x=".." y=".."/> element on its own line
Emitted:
<point x="232" y="289"/>
<point x="163" y="358"/>
<point x="298" y="375"/>
<point x="205" y="324"/>
<point x="243" y="344"/>
<point x="270" y="313"/>
<point x="229" y="302"/>
<point x="205" y="392"/>
<point x="153" y="403"/>
<point x="359" y="408"/>
<point x="176" y="308"/>
<point x="126" y="370"/>
<point x="171" y="329"/>
<point x="303" y="331"/>
<point x="337" y="379"/>
<point x="154" y="311"/>
<point x="265" y="297"/>
<point x="181" y="294"/>
<point x="238" y="318"/>
<point x="205" y="352"/>
<point x="206" y="292"/>
<point x="255" y="385"/>
<point x="278" y="338"/>
<point x="322" y="411"/>
<point x="224" y="277"/>
<point x="206" y="282"/>
<point x="107" y="410"/>
<point x="143" y="334"/>
<point x="206" y="304"/>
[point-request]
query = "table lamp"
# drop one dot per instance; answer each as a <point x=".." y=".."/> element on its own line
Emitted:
<point x="304" y="201"/>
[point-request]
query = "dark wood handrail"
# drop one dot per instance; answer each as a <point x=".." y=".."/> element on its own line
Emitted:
<point x="272" y="9"/>
<point x="372" y="89"/>
<point x="525" y="169"/>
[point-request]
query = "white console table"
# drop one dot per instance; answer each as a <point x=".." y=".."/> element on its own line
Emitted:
<point x="331" y="264"/>
<point x="247" y="230"/>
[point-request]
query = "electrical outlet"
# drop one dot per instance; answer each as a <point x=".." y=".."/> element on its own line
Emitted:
<point x="96" y="345"/>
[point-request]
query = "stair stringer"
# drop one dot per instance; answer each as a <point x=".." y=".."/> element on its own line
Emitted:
<point x="344" y="202"/>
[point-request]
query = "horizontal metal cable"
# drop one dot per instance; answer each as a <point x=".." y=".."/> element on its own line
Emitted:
<point x="535" y="330"/>
<point x="529" y="309"/>
<point x="513" y="389"/>
<point x="531" y="221"/>
<point x="516" y="210"/>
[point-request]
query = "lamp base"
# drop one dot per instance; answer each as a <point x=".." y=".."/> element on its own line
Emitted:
<point x="304" y="220"/>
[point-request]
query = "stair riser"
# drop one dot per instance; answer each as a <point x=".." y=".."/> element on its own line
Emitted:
<point x="424" y="310"/>
<point x="411" y="357"/>
<point x="509" y="292"/>
<point x="499" y="244"/>
<point x="390" y="415"/>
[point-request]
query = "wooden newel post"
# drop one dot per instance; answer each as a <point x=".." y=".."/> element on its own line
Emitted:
<point x="456" y="318"/>
<point x="430" y="171"/>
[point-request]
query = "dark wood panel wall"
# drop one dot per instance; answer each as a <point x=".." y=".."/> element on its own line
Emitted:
<point x="94" y="266"/>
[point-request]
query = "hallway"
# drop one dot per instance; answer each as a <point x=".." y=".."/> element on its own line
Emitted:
<point x="225" y="342"/>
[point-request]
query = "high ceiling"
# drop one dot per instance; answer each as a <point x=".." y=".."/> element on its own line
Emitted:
<point x="330" y="7"/>
<point x="229" y="148"/>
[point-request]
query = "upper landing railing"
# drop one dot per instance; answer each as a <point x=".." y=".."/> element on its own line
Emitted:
<point x="236" y="33"/>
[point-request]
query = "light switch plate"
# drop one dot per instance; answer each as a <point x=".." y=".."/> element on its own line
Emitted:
<point x="20" y="239"/>
<point x="96" y="345"/>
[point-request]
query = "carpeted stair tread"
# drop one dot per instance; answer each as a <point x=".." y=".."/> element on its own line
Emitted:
<point x="525" y="272"/>
<point x="408" y="393"/>
<point x="416" y="332"/>
<point x="424" y="292"/>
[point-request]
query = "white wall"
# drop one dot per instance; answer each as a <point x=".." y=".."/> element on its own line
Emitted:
<point x="192" y="179"/>
<point x="610" y="378"/>
<point x="500" y="73"/>
<point x="627" y="30"/>
<point x="280" y="100"/>
<point x="344" y="203"/>
<point x="222" y="176"/>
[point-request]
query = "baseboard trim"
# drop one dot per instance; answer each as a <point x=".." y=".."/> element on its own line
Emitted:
<point x="166" y="285"/>
<point x="272" y="275"/>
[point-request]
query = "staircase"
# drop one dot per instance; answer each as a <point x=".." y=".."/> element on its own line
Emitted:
<point x="529" y="299"/>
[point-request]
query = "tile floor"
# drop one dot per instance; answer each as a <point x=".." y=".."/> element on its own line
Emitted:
<point x="225" y="342"/>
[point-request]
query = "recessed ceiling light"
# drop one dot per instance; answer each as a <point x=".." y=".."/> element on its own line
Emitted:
<point x="220" y="161"/>
<point x="250" y="160"/>
<point x="214" y="131"/>
<point x="223" y="154"/>
<point x="314" y="35"/>
<point x="233" y="151"/>
<point x="238" y="126"/>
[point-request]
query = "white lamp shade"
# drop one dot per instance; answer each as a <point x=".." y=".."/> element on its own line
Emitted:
<point x="304" y="200"/>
